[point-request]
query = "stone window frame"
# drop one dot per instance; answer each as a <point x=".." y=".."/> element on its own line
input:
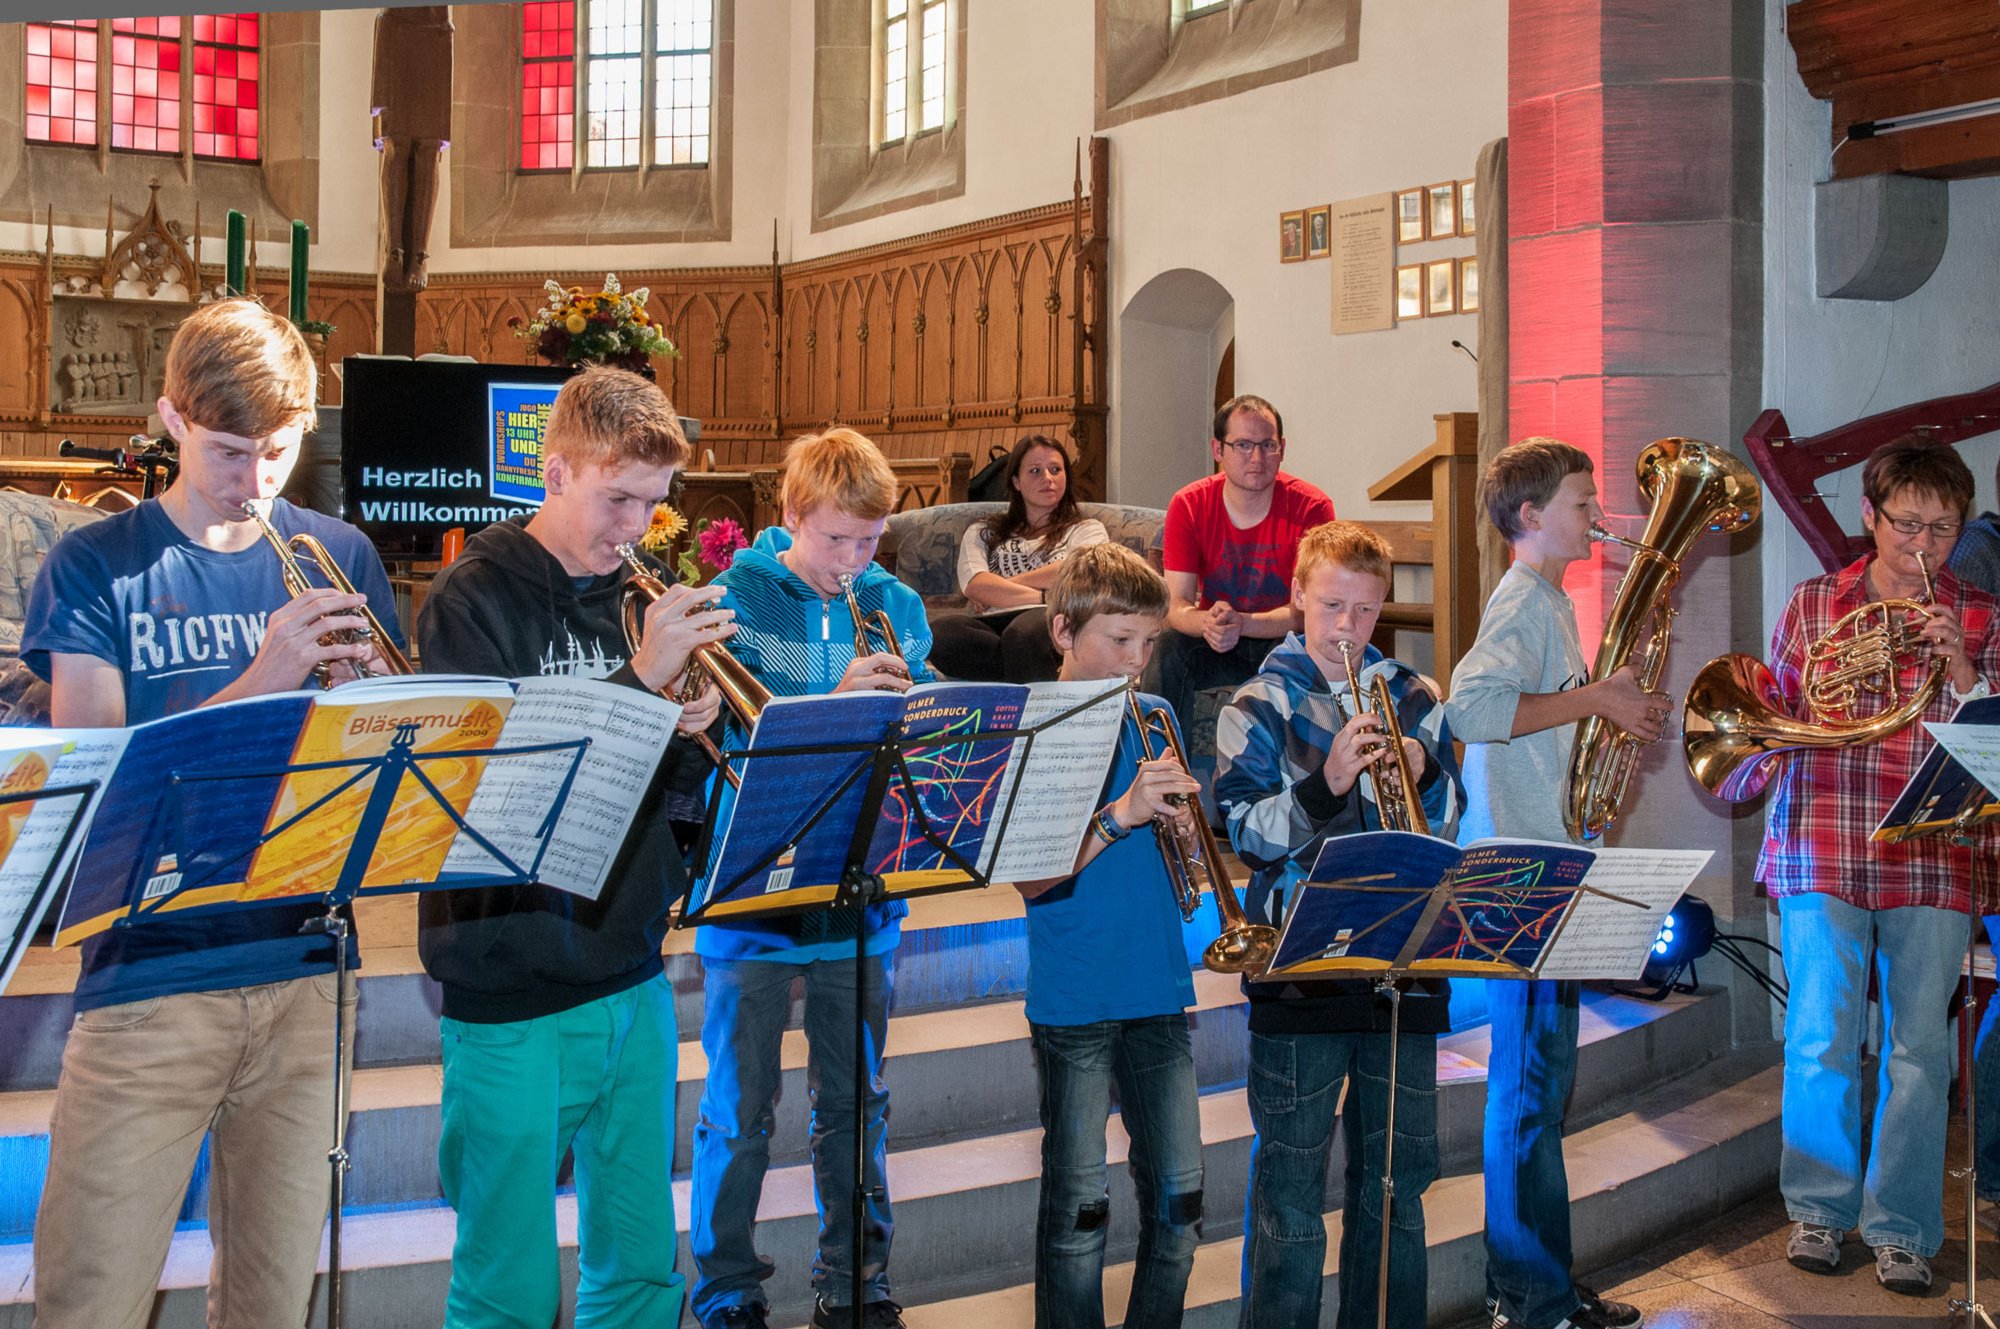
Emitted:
<point x="283" y="185"/>
<point x="1155" y="56"/>
<point x="497" y="204"/>
<point x="855" y="178"/>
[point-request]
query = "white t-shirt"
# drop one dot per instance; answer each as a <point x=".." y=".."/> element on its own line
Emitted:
<point x="1020" y="553"/>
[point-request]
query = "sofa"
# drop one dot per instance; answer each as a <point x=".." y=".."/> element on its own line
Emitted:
<point x="29" y="527"/>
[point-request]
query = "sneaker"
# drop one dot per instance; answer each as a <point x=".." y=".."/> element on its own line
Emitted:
<point x="1607" y="1314"/>
<point x="1902" y="1271"/>
<point x="884" y="1314"/>
<point x="1814" y="1248"/>
<point x="742" y="1316"/>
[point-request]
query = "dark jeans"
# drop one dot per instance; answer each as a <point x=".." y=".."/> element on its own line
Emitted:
<point x="1189" y="667"/>
<point x="995" y="648"/>
<point x="1528" y="1079"/>
<point x="1295" y="1093"/>
<point x="1152" y="1064"/>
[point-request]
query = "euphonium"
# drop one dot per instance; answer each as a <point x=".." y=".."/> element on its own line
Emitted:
<point x="877" y="624"/>
<point x="1693" y="487"/>
<point x="741" y="692"/>
<point x="1735" y="727"/>
<point x="1396" y="798"/>
<point x="293" y="555"/>
<point x="1192" y="860"/>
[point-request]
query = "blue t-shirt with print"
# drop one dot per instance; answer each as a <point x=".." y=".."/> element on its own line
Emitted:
<point x="181" y="623"/>
<point x="1108" y="944"/>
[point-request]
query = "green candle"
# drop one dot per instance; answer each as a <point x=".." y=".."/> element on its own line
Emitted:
<point x="299" y="238"/>
<point x="233" y="235"/>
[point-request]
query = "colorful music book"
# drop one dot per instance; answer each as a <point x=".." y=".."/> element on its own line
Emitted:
<point x="1393" y="901"/>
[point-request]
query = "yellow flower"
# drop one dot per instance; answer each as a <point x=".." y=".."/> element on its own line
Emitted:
<point x="576" y="323"/>
<point x="666" y="525"/>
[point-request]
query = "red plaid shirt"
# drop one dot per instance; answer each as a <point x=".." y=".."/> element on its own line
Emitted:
<point x="1829" y="800"/>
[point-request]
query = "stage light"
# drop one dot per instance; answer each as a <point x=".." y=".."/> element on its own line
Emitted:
<point x="1685" y="935"/>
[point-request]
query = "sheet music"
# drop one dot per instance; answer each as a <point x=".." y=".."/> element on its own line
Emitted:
<point x="1065" y="768"/>
<point x="35" y="830"/>
<point x="1607" y="938"/>
<point x="628" y="731"/>
<point x="1973" y="746"/>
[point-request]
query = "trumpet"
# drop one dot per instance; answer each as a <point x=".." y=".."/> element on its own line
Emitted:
<point x="869" y="626"/>
<point x="293" y="555"/>
<point x="1735" y="729"/>
<point x="1192" y="860"/>
<point x="1396" y="798"/>
<point x="741" y="692"/>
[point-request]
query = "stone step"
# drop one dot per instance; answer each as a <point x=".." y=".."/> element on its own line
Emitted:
<point x="1689" y="1148"/>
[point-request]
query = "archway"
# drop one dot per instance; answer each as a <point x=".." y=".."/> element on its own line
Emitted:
<point x="1171" y="338"/>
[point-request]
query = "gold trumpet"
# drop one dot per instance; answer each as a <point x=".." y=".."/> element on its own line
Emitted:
<point x="1396" y="798"/>
<point x="1735" y="728"/>
<point x="741" y="692"/>
<point x="1192" y="860"/>
<point x="293" y="555"/>
<point x="869" y="626"/>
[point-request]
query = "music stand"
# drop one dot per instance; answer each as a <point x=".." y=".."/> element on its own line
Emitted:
<point x="167" y="835"/>
<point x="875" y="769"/>
<point x="20" y="933"/>
<point x="1411" y="906"/>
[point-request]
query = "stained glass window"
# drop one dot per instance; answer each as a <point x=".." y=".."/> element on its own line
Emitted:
<point x="62" y="81"/>
<point x="548" y="85"/>
<point x="682" y="67"/>
<point x="913" y="67"/>
<point x="146" y="84"/>
<point x="225" y="86"/>
<point x="930" y="86"/>
<point x="632" y="79"/>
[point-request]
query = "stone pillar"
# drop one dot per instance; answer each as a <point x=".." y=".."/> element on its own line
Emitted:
<point x="1635" y="256"/>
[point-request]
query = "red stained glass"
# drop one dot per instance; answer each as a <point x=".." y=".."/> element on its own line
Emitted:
<point x="548" y="85"/>
<point x="145" y="80"/>
<point x="225" y="86"/>
<point x="62" y="81"/>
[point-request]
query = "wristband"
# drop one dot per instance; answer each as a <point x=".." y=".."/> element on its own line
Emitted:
<point x="1106" y="828"/>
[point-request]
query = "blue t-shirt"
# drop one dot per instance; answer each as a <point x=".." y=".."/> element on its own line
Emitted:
<point x="1107" y="944"/>
<point x="181" y="623"/>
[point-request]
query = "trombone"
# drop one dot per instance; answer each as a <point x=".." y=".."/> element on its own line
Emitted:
<point x="1192" y="860"/>
<point x="741" y="692"/>
<point x="293" y="555"/>
<point x="1396" y="800"/>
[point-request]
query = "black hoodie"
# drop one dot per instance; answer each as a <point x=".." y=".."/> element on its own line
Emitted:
<point x="507" y="608"/>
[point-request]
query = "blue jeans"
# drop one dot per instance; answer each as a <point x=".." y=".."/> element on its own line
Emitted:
<point x="1295" y="1092"/>
<point x="1528" y="1079"/>
<point x="1986" y="1061"/>
<point x="1897" y="1198"/>
<point x="1152" y="1063"/>
<point x="741" y="1031"/>
<point x="597" y="1080"/>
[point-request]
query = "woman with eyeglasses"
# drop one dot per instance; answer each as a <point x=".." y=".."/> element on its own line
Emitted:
<point x="1849" y="907"/>
<point x="1006" y="564"/>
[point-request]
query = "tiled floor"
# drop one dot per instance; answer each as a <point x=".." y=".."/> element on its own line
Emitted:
<point x="1732" y="1274"/>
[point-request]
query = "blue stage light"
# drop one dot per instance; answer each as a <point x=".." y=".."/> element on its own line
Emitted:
<point x="1685" y="935"/>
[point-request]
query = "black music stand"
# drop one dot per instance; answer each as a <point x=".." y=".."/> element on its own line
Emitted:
<point x="198" y="869"/>
<point x="20" y="934"/>
<point x="873" y="771"/>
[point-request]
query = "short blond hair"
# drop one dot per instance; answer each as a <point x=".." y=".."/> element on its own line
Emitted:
<point x="840" y="469"/>
<point x="1106" y="578"/>
<point x="237" y="368"/>
<point x="1347" y="543"/>
<point x="614" y="417"/>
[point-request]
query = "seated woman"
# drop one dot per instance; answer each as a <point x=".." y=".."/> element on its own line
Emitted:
<point x="1006" y="564"/>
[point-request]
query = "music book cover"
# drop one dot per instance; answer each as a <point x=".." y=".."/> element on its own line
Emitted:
<point x="954" y="786"/>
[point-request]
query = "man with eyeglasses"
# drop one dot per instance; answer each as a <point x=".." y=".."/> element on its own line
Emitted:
<point x="1231" y="540"/>
<point x="1850" y="909"/>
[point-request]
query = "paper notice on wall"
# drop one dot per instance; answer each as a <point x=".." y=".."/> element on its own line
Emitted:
<point x="1364" y="265"/>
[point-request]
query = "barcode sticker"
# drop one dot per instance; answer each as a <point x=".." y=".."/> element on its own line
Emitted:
<point x="780" y="879"/>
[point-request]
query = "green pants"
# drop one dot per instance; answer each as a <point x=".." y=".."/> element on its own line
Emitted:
<point x="597" y="1080"/>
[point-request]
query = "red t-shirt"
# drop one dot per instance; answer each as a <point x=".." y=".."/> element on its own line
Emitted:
<point x="1251" y="568"/>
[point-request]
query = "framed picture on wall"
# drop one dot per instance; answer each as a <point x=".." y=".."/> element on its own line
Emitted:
<point x="1319" y="231"/>
<point x="1441" y="212"/>
<point x="1410" y="291"/>
<point x="1440" y="287"/>
<point x="1292" y="237"/>
<point x="1410" y="217"/>
<point x="1468" y="211"/>
<point x="1468" y="286"/>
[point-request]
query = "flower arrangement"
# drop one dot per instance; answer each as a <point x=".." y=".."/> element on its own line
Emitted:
<point x="602" y="327"/>
<point x="715" y="542"/>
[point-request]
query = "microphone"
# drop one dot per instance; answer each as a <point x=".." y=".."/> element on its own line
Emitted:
<point x="1467" y="349"/>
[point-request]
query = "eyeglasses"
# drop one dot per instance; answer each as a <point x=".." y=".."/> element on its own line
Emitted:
<point x="1245" y="447"/>
<point x="1943" y="530"/>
